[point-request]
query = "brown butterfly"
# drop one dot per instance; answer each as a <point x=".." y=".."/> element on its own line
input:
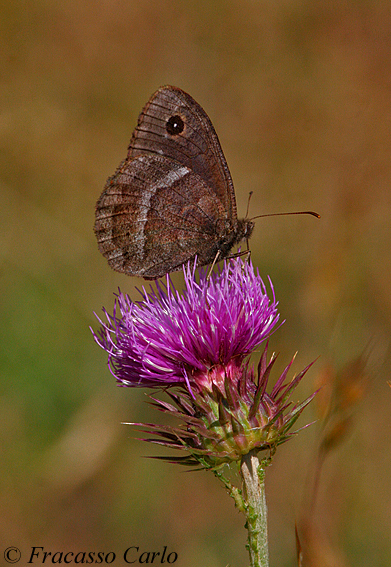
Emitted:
<point x="172" y="199"/>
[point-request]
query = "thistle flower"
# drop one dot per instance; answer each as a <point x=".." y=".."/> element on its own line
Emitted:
<point x="196" y="345"/>
<point x="169" y="339"/>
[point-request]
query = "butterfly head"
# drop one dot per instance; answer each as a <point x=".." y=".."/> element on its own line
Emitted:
<point x="244" y="230"/>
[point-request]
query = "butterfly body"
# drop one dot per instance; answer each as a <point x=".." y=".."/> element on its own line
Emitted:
<point x="172" y="198"/>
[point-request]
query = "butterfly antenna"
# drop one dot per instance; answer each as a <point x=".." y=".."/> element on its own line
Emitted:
<point x="248" y="203"/>
<point x="284" y="214"/>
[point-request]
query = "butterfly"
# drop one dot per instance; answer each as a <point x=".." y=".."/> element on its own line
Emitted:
<point x="172" y="199"/>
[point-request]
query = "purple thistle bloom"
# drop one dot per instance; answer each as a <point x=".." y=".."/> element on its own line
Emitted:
<point x="169" y="338"/>
<point x="199" y="341"/>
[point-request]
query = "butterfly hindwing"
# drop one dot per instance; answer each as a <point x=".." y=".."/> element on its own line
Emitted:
<point x="154" y="210"/>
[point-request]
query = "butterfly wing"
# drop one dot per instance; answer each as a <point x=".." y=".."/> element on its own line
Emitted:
<point x="173" y="124"/>
<point x="155" y="214"/>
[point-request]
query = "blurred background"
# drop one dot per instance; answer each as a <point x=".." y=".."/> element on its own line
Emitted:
<point x="300" y="95"/>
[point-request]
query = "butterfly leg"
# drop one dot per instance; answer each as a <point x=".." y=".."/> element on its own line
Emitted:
<point x="216" y="259"/>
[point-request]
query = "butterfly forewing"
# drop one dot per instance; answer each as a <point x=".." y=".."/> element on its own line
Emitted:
<point x="196" y="146"/>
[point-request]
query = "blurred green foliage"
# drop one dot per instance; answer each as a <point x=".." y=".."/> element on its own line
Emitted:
<point x="300" y="95"/>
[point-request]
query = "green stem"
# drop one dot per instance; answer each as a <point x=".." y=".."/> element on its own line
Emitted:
<point x="253" y="475"/>
<point x="234" y="492"/>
